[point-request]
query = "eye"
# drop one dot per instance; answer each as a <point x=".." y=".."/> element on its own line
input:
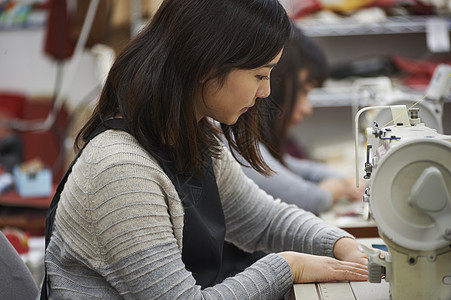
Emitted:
<point x="262" y="77"/>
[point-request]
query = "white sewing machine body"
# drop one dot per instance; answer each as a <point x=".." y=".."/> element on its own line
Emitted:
<point x="409" y="171"/>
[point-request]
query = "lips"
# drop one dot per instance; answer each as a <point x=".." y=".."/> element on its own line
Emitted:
<point x="247" y="108"/>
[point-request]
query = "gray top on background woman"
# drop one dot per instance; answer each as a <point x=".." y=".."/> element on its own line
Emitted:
<point x="311" y="185"/>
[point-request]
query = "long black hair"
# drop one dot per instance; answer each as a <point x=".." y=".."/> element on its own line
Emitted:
<point x="153" y="81"/>
<point x="301" y="53"/>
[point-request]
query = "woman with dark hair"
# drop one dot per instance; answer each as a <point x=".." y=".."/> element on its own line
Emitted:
<point x="310" y="185"/>
<point x="144" y="211"/>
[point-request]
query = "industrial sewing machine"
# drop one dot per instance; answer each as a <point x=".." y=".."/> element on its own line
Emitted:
<point x="408" y="172"/>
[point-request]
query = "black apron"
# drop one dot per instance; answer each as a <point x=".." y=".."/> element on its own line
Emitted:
<point x="204" y="224"/>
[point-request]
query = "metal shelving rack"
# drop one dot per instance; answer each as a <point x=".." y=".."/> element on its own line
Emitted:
<point x="347" y="26"/>
<point x="334" y="95"/>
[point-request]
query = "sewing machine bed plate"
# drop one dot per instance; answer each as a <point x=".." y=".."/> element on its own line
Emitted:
<point x="356" y="290"/>
<point x="342" y="291"/>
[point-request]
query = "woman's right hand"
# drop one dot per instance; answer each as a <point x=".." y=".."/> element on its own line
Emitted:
<point x="308" y="268"/>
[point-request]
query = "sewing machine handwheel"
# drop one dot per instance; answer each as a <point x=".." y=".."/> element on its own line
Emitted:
<point x="392" y="182"/>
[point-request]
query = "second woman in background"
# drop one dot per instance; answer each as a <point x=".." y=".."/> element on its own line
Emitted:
<point x="310" y="185"/>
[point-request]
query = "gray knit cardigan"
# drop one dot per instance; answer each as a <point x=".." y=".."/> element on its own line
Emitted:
<point x="119" y="225"/>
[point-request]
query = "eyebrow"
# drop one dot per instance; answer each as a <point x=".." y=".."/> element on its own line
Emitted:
<point x="270" y="65"/>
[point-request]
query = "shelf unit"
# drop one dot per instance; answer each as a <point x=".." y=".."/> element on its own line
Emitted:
<point x="333" y="96"/>
<point x="346" y="38"/>
<point x="329" y="130"/>
<point x="342" y="27"/>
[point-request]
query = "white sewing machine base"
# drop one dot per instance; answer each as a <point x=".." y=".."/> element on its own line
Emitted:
<point x="356" y="290"/>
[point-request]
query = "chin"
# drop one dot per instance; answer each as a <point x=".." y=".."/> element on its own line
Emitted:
<point x="228" y="121"/>
<point x="231" y="121"/>
<point x="295" y="123"/>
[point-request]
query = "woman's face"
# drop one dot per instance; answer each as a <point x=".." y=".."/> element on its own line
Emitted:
<point x="302" y="107"/>
<point x="239" y="92"/>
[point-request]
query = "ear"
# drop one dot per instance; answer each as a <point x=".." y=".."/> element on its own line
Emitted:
<point x="206" y="78"/>
<point x="210" y="75"/>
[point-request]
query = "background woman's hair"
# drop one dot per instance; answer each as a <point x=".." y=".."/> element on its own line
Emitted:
<point x="300" y="53"/>
<point x="153" y="81"/>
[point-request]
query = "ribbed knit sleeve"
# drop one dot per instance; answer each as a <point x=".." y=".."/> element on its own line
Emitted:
<point x="118" y="234"/>
<point x="256" y="221"/>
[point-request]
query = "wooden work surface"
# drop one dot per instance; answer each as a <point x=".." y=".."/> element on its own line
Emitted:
<point x="12" y="198"/>
<point x="26" y="213"/>
<point x="349" y="216"/>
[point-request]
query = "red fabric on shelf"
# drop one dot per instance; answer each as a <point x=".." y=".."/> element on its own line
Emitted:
<point x="12" y="104"/>
<point x="304" y="8"/>
<point x="417" y="73"/>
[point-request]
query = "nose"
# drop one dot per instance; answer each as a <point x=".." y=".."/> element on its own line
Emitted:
<point x="307" y="108"/>
<point x="264" y="90"/>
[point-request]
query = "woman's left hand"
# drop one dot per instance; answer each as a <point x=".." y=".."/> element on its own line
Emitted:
<point x="346" y="249"/>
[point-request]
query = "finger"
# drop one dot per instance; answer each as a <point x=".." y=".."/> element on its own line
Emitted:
<point x="355" y="267"/>
<point x="352" y="275"/>
<point x="358" y="268"/>
<point x="344" y="274"/>
<point x="361" y="260"/>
